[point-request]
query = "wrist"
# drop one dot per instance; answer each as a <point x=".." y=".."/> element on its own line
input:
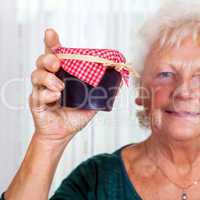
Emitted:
<point x="42" y="152"/>
<point x="51" y="140"/>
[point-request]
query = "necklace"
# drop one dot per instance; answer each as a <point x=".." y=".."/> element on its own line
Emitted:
<point x="184" y="195"/>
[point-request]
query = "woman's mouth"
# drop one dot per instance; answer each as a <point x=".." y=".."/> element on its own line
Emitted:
<point x="182" y="113"/>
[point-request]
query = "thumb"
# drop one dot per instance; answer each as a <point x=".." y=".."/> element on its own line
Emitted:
<point x="51" y="40"/>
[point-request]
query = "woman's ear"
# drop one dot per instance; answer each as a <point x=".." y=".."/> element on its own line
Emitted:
<point x="138" y="101"/>
<point x="143" y="98"/>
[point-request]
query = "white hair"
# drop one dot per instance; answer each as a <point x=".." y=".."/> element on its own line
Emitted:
<point x="172" y="23"/>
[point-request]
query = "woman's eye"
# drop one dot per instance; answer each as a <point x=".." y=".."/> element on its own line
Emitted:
<point x="197" y="76"/>
<point x="196" y="81"/>
<point x="165" y="74"/>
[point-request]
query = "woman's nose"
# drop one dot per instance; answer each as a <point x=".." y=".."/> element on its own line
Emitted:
<point x="184" y="90"/>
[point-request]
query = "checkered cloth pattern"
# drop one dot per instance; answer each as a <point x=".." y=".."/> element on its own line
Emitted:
<point x="90" y="72"/>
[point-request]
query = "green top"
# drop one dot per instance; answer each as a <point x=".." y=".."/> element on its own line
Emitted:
<point x="102" y="177"/>
<point x="98" y="178"/>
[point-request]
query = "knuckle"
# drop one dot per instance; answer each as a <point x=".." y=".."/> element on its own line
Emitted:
<point x="48" y="60"/>
<point x="37" y="97"/>
<point x="39" y="60"/>
<point x="34" y="78"/>
<point x="30" y="98"/>
<point x="45" y="94"/>
<point x="50" y="77"/>
<point x="34" y="99"/>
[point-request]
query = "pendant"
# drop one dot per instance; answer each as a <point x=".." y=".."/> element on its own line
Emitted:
<point x="184" y="196"/>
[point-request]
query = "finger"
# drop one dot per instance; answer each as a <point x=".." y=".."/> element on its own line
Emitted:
<point x="51" y="40"/>
<point x="49" y="62"/>
<point x="40" y="97"/>
<point x="40" y="77"/>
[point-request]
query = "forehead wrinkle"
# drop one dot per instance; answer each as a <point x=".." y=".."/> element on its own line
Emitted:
<point x="181" y="65"/>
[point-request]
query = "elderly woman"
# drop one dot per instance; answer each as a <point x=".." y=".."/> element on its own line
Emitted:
<point x="165" y="166"/>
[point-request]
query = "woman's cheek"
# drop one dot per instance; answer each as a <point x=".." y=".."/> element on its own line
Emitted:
<point x="160" y="96"/>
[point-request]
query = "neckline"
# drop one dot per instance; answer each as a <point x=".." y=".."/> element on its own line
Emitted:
<point x="123" y="168"/>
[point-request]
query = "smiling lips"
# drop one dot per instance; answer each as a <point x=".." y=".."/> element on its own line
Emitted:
<point x="182" y="113"/>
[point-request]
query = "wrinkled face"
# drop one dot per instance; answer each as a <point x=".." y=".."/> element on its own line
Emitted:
<point x="172" y="78"/>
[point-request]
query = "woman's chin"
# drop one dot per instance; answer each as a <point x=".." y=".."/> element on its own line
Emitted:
<point x="181" y="131"/>
<point x="186" y="135"/>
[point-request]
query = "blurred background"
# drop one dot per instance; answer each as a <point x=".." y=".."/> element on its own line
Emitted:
<point x="80" y="23"/>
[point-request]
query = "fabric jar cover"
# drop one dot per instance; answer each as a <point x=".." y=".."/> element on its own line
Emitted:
<point x="87" y="71"/>
<point x="91" y="73"/>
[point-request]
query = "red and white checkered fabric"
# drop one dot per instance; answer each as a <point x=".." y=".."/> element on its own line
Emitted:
<point x="90" y="72"/>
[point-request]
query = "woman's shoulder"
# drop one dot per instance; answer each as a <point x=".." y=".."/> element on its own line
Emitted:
<point x="106" y="164"/>
<point x="109" y="158"/>
<point x="103" y="163"/>
<point x="99" y="162"/>
<point x="116" y="157"/>
<point x="103" y="160"/>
